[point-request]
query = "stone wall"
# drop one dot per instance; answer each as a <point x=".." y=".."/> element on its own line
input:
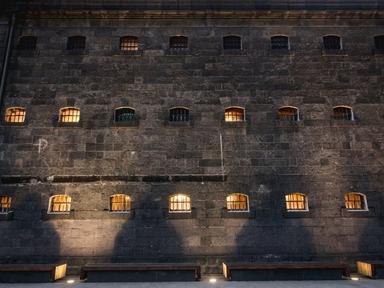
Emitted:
<point x="263" y="158"/>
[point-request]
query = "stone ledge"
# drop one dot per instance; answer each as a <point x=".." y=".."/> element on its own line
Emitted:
<point x="358" y="213"/>
<point x="225" y="213"/>
<point x="179" y="215"/>
<point x="298" y="214"/>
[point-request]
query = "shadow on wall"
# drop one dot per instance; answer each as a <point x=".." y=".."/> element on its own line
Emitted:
<point x="26" y="238"/>
<point x="148" y="237"/>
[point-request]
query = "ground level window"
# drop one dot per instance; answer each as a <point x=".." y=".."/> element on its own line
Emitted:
<point x="124" y="114"/>
<point x="120" y="203"/>
<point x="288" y="113"/>
<point x="60" y="204"/>
<point x="179" y="114"/>
<point x="69" y="115"/>
<point x="179" y="203"/>
<point x="234" y="114"/>
<point x="15" y="115"/>
<point x="343" y="113"/>
<point x="5" y="204"/>
<point x="76" y="43"/>
<point x="279" y="43"/>
<point x="355" y="201"/>
<point x="237" y="202"/>
<point x="129" y="43"/>
<point x="332" y="42"/>
<point x="296" y="202"/>
<point x="178" y="42"/>
<point x="232" y="43"/>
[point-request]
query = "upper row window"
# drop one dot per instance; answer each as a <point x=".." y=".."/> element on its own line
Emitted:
<point x="76" y="43"/>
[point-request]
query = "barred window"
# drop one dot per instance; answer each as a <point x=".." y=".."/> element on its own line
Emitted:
<point x="179" y="203"/>
<point x="288" y="113"/>
<point x="76" y="43"/>
<point x="179" y="114"/>
<point x="60" y="204"/>
<point x="237" y="202"/>
<point x="232" y="42"/>
<point x="120" y="203"/>
<point x="5" y="204"/>
<point x="343" y="113"/>
<point x="379" y="42"/>
<point x="129" y="43"/>
<point x="69" y="115"/>
<point x="15" y="115"/>
<point x="124" y="114"/>
<point x="332" y="42"/>
<point x="279" y="43"/>
<point x="296" y="202"/>
<point x="355" y="201"/>
<point x="27" y="43"/>
<point x="178" y="42"/>
<point x="234" y="114"/>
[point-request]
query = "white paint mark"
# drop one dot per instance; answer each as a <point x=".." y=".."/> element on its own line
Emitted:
<point x="41" y="145"/>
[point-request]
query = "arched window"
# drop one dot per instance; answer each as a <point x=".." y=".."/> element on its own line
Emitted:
<point x="124" y="114"/>
<point x="288" y="113"/>
<point x="234" y="114"/>
<point x="5" y="204"/>
<point x="343" y="113"/>
<point x="59" y="204"/>
<point x="27" y="43"/>
<point x="332" y="42"/>
<point x="379" y="42"/>
<point x="69" y="115"/>
<point x="76" y="43"/>
<point x="296" y="202"/>
<point x="179" y="203"/>
<point x="179" y="114"/>
<point x="178" y="42"/>
<point x="15" y="115"/>
<point x="129" y="43"/>
<point x="232" y="42"/>
<point x="355" y="201"/>
<point x="120" y="203"/>
<point x="237" y="202"/>
<point x="280" y="43"/>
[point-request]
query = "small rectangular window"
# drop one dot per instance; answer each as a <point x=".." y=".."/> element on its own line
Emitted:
<point x="76" y="43"/>
<point x="27" y="43"/>
<point x="5" y="204"/>
<point x="129" y="43"/>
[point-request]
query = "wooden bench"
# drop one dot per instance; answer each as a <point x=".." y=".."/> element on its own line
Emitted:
<point x="371" y="269"/>
<point x="140" y="272"/>
<point x="32" y="273"/>
<point x="285" y="271"/>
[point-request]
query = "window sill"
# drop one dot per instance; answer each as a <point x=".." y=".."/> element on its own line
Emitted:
<point x="347" y="213"/>
<point x="378" y="52"/>
<point x="132" y="123"/>
<point x="176" y="52"/>
<point x="298" y="213"/>
<point x="225" y="213"/>
<point x="240" y="124"/>
<point x="180" y="215"/>
<point x="233" y="52"/>
<point x="289" y="123"/>
<point x="179" y="123"/>
<point x="6" y="216"/>
<point x="124" y="215"/>
<point x="11" y="124"/>
<point x="280" y="52"/>
<point x="56" y="215"/>
<point x="129" y="53"/>
<point x="333" y="52"/>
<point x="77" y="52"/>
<point x="343" y="122"/>
<point x="69" y="124"/>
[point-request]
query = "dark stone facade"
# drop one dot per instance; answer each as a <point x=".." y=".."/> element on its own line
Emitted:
<point x="263" y="157"/>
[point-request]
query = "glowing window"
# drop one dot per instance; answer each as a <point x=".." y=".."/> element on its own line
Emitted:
<point x="15" y="115"/>
<point x="343" y="113"/>
<point x="288" y="113"/>
<point x="279" y="43"/>
<point x="232" y="43"/>
<point x="237" y="202"/>
<point x="355" y="201"/>
<point x="120" y="203"/>
<point x="234" y="114"/>
<point x="27" y="43"/>
<point x="124" y="114"/>
<point x="129" y="43"/>
<point x="178" y="42"/>
<point x="69" y="115"/>
<point x="60" y="204"/>
<point x="379" y="42"/>
<point x="332" y="42"/>
<point x="5" y="204"/>
<point x="179" y="203"/>
<point x="76" y="43"/>
<point x="296" y="202"/>
<point x="179" y="114"/>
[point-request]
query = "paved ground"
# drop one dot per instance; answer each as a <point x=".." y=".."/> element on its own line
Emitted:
<point x="363" y="283"/>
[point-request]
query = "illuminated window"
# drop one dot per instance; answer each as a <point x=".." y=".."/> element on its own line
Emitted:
<point x="179" y="114"/>
<point x="5" y="204"/>
<point x="232" y="42"/>
<point x="332" y="42"/>
<point x="120" y="203"/>
<point x="60" y="204"/>
<point x="124" y="114"/>
<point x="179" y="203"/>
<point x="343" y="113"/>
<point x="237" y="202"/>
<point x="129" y="43"/>
<point x="15" y="115"/>
<point x="234" y="114"/>
<point x="379" y="42"/>
<point x="69" y="115"/>
<point x="27" y="43"/>
<point x="178" y="42"/>
<point x="288" y="113"/>
<point x="76" y="43"/>
<point x="296" y="202"/>
<point x="355" y="201"/>
<point x="279" y="43"/>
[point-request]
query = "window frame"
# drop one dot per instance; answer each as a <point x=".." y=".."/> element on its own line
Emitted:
<point x="237" y="210"/>
<point x="178" y="48"/>
<point x="365" y="209"/>
<point x="121" y="108"/>
<point x="343" y="106"/>
<point x="232" y="49"/>
<point x="234" y="107"/>
<point x="189" y="202"/>
<point x="71" y="41"/>
<point x="49" y="211"/>
<point x="179" y="121"/>
<point x="5" y="211"/>
<point x="293" y="107"/>
<point x="280" y="49"/>
<point x="69" y="122"/>
<point x="129" y="37"/>
<point x="306" y="206"/>
<point x="333" y="49"/>
<point x="120" y="211"/>
<point x="14" y="123"/>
